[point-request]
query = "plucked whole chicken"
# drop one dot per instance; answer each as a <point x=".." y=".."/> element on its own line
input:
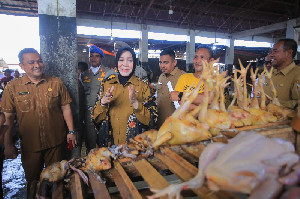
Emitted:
<point x="249" y="163"/>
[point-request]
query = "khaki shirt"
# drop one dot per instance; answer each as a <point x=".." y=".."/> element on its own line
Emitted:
<point x="120" y="109"/>
<point x="91" y="83"/>
<point x="165" y="107"/>
<point x="38" y="109"/>
<point x="287" y="83"/>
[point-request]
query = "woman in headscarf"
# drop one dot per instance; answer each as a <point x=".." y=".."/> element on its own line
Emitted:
<point x="125" y="107"/>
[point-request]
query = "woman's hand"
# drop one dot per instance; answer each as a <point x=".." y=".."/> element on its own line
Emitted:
<point x="132" y="97"/>
<point x="108" y="96"/>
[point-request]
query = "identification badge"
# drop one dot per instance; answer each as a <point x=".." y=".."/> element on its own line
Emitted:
<point x="102" y="75"/>
<point x="23" y="93"/>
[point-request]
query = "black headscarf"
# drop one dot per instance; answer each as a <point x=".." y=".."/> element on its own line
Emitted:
<point x="124" y="79"/>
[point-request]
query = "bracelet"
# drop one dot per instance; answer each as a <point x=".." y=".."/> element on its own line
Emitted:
<point x="180" y="95"/>
<point x="72" y="132"/>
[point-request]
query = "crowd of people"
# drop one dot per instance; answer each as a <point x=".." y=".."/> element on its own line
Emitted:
<point x="115" y="104"/>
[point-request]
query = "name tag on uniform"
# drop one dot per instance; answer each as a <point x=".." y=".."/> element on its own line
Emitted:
<point x="23" y="93"/>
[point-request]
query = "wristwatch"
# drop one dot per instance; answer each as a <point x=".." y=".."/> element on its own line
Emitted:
<point x="72" y="132"/>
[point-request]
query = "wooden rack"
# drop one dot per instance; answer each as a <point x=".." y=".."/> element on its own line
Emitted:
<point x="180" y="160"/>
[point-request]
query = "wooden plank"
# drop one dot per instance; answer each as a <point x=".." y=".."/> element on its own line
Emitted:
<point x="75" y="186"/>
<point x="181" y="162"/>
<point x="283" y="131"/>
<point x="132" y="171"/>
<point x="123" y="182"/>
<point x="120" y="183"/>
<point x="182" y="173"/>
<point x="99" y="189"/>
<point x="196" y="152"/>
<point x="297" y="142"/>
<point x="229" y="134"/>
<point x="58" y="190"/>
<point x="179" y="150"/>
<point x="151" y="176"/>
<point x="246" y="128"/>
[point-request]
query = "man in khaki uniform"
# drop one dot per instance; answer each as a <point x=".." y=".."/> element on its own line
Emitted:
<point x="268" y="62"/>
<point x="42" y="105"/>
<point x="170" y="72"/>
<point x="286" y="74"/>
<point x="91" y="80"/>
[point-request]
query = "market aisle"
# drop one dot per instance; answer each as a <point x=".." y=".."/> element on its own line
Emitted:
<point x="13" y="182"/>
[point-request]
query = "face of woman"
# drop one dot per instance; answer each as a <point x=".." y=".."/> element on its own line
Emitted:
<point x="125" y="63"/>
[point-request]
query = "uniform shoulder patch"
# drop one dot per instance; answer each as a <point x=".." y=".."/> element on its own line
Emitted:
<point x="111" y="77"/>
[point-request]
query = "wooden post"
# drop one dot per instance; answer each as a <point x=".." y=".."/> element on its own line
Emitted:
<point x="75" y="186"/>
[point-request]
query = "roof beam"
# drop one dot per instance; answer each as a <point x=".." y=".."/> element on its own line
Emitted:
<point x="148" y="7"/>
<point x="233" y="14"/>
<point x="260" y="30"/>
<point x="248" y="14"/>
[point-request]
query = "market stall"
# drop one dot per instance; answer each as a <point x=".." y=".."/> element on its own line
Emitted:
<point x="239" y="139"/>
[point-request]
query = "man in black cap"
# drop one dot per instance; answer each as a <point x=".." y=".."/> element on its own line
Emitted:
<point x="7" y="77"/>
<point x="91" y="80"/>
<point x="16" y="74"/>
